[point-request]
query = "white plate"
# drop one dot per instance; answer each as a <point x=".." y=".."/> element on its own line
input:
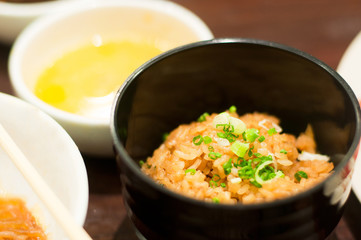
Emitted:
<point x="53" y="154"/>
<point x="350" y="69"/>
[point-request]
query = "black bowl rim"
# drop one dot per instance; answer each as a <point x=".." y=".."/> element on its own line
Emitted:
<point x="135" y="169"/>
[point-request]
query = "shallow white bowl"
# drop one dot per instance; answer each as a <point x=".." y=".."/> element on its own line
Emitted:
<point x="14" y="17"/>
<point x="53" y="154"/>
<point x="48" y="38"/>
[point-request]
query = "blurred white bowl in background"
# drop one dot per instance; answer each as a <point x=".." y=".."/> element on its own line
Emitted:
<point x="14" y="17"/>
<point x="53" y="154"/>
<point x="48" y="38"/>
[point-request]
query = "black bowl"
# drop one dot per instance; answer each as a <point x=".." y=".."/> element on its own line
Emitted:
<point x="179" y="85"/>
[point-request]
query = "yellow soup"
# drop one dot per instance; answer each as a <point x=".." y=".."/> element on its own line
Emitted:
<point x="84" y="81"/>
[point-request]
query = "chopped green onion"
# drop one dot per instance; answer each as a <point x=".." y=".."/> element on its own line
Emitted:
<point x="141" y="163"/>
<point x="207" y="139"/>
<point x="214" y="181"/>
<point x="222" y="135"/>
<point x="190" y="170"/>
<point x="227" y="167"/>
<point x="231" y="126"/>
<point x="250" y="152"/>
<point x="221" y="119"/>
<point x="259" y="168"/>
<point x="239" y="148"/>
<point x="240" y="162"/>
<point x="214" y="155"/>
<point x="223" y="185"/>
<point x="215" y="200"/>
<point x="265" y="172"/>
<point x="251" y="134"/>
<point x="165" y="136"/>
<point x="300" y="174"/>
<point x="228" y="128"/>
<point x="256" y="184"/>
<point x="216" y="178"/>
<point x="197" y="140"/>
<point x="283" y="151"/>
<point x="211" y="148"/>
<point x="280" y="174"/>
<point x="246" y="172"/>
<point x="232" y="109"/>
<point x="238" y="125"/>
<point x="272" y="131"/>
<point x="203" y="117"/>
<point x="231" y="138"/>
<point x="261" y="138"/>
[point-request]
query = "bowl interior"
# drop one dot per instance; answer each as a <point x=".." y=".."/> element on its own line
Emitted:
<point x="53" y="154"/>
<point x="254" y="76"/>
<point x="52" y="38"/>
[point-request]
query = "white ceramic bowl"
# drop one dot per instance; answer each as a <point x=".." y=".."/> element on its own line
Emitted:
<point x="14" y="17"/>
<point x="53" y="154"/>
<point x="48" y="38"/>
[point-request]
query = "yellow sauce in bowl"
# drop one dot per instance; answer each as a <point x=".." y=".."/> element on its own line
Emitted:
<point x="85" y="81"/>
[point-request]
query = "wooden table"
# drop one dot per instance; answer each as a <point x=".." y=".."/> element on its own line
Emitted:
<point x="323" y="28"/>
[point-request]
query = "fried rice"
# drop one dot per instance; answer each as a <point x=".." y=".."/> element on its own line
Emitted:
<point x="227" y="158"/>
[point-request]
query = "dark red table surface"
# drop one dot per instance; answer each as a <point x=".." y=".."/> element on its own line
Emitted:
<point x="322" y="28"/>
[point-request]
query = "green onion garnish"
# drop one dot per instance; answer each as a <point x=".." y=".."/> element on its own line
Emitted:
<point x="214" y="181"/>
<point x="197" y="140"/>
<point x="238" y="125"/>
<point x="227" y="166"/>
<point x="256" y="184"/>
<point x="239" y="148"/>
<point x="240" y="162"/>
<point x="221" y="119"/>
<point x="141" y="163"/>
<point x="231" y="138"/>
<point x="261" y="138"/>
<point x="272" y="131"/>
<point x="165" y="136"/>
<point x="216" y="178"/>
<point x="264" y="172"/>
<point x="250" y="152"/>
<point x="251" y="134"/>
<point x="300" y="174"/>
<point x="222" y="135"/>
<point x="190" y="170"/>
<point x="231" y="126"/>
<point x="223" y="185"/>
<point x="232" y="109"/>
<point x="214" y="155"/>
<point x="207" y="139"/>
<point x="280" y="174"/>
<point x="246" y="172"/>
<point x="210" y="148"/>
<point x="203" y="117"/>
<point x="215" y="200"/>
<point x="283" y="151"/>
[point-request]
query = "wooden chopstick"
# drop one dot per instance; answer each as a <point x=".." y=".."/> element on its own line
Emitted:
<point x="46" y="195"/>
